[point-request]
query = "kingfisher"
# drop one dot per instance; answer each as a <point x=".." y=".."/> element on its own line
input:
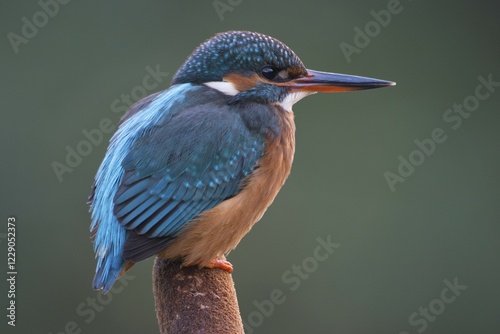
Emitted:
<point x="192" y="168"/>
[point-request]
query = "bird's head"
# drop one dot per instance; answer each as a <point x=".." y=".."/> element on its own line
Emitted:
<point x="249" y="66"/>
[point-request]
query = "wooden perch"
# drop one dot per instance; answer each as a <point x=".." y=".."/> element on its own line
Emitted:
<point x="195" y="300"/>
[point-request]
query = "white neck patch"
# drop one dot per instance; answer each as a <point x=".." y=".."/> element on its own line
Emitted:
<point x="224" y="87"/>
<point x="293" y="98"/>
<point x="228" y="88"/>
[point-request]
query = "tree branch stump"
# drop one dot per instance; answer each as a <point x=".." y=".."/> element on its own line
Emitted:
<point x="195" y="300"/>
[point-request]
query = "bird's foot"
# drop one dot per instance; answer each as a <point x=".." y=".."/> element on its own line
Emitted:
<point x="221" y="264"/>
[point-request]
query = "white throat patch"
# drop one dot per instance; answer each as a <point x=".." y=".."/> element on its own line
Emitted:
<point x="293" y="98"/>
<point x="228" y="88"/>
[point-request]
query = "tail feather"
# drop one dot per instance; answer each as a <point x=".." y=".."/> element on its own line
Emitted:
<point x="108" y="270"/>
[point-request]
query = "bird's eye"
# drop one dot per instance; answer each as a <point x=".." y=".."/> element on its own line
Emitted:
<point x="269" y="72"/>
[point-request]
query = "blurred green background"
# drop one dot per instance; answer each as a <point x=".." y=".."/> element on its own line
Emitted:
<point x="396" y="247"/>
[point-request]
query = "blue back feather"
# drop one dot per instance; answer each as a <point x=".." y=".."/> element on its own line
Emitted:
<point x="109" y="235"/>
<point x="184" y="166"/>
<point x="184" y="152"/>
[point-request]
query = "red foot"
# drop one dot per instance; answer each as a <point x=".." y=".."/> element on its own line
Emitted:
<point x="221" y="264"/>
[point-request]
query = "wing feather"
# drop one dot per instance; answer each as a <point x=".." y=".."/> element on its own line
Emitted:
<point x="179" y="169"/>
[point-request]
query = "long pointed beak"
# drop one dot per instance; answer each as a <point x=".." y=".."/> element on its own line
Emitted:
<point x="316" y="81"/>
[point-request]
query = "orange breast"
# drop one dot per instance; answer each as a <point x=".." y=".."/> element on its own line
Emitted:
<point x="217" y="231"/>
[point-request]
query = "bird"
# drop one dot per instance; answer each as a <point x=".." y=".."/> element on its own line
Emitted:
<point x="192" y="168"/>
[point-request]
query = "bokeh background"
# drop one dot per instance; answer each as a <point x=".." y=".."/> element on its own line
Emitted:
<point x="396" y="247"/>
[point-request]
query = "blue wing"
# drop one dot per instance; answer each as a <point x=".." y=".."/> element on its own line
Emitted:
<point x="180" y="168"/>
<point x="176" y="153"/>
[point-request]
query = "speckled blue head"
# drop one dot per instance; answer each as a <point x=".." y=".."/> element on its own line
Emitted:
<point x="252" y="67"/>
<point x="241" y="52"/>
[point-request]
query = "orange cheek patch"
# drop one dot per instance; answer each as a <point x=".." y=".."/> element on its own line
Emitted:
<point x="296" y="72"/>
<point x="243" y="82"/>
